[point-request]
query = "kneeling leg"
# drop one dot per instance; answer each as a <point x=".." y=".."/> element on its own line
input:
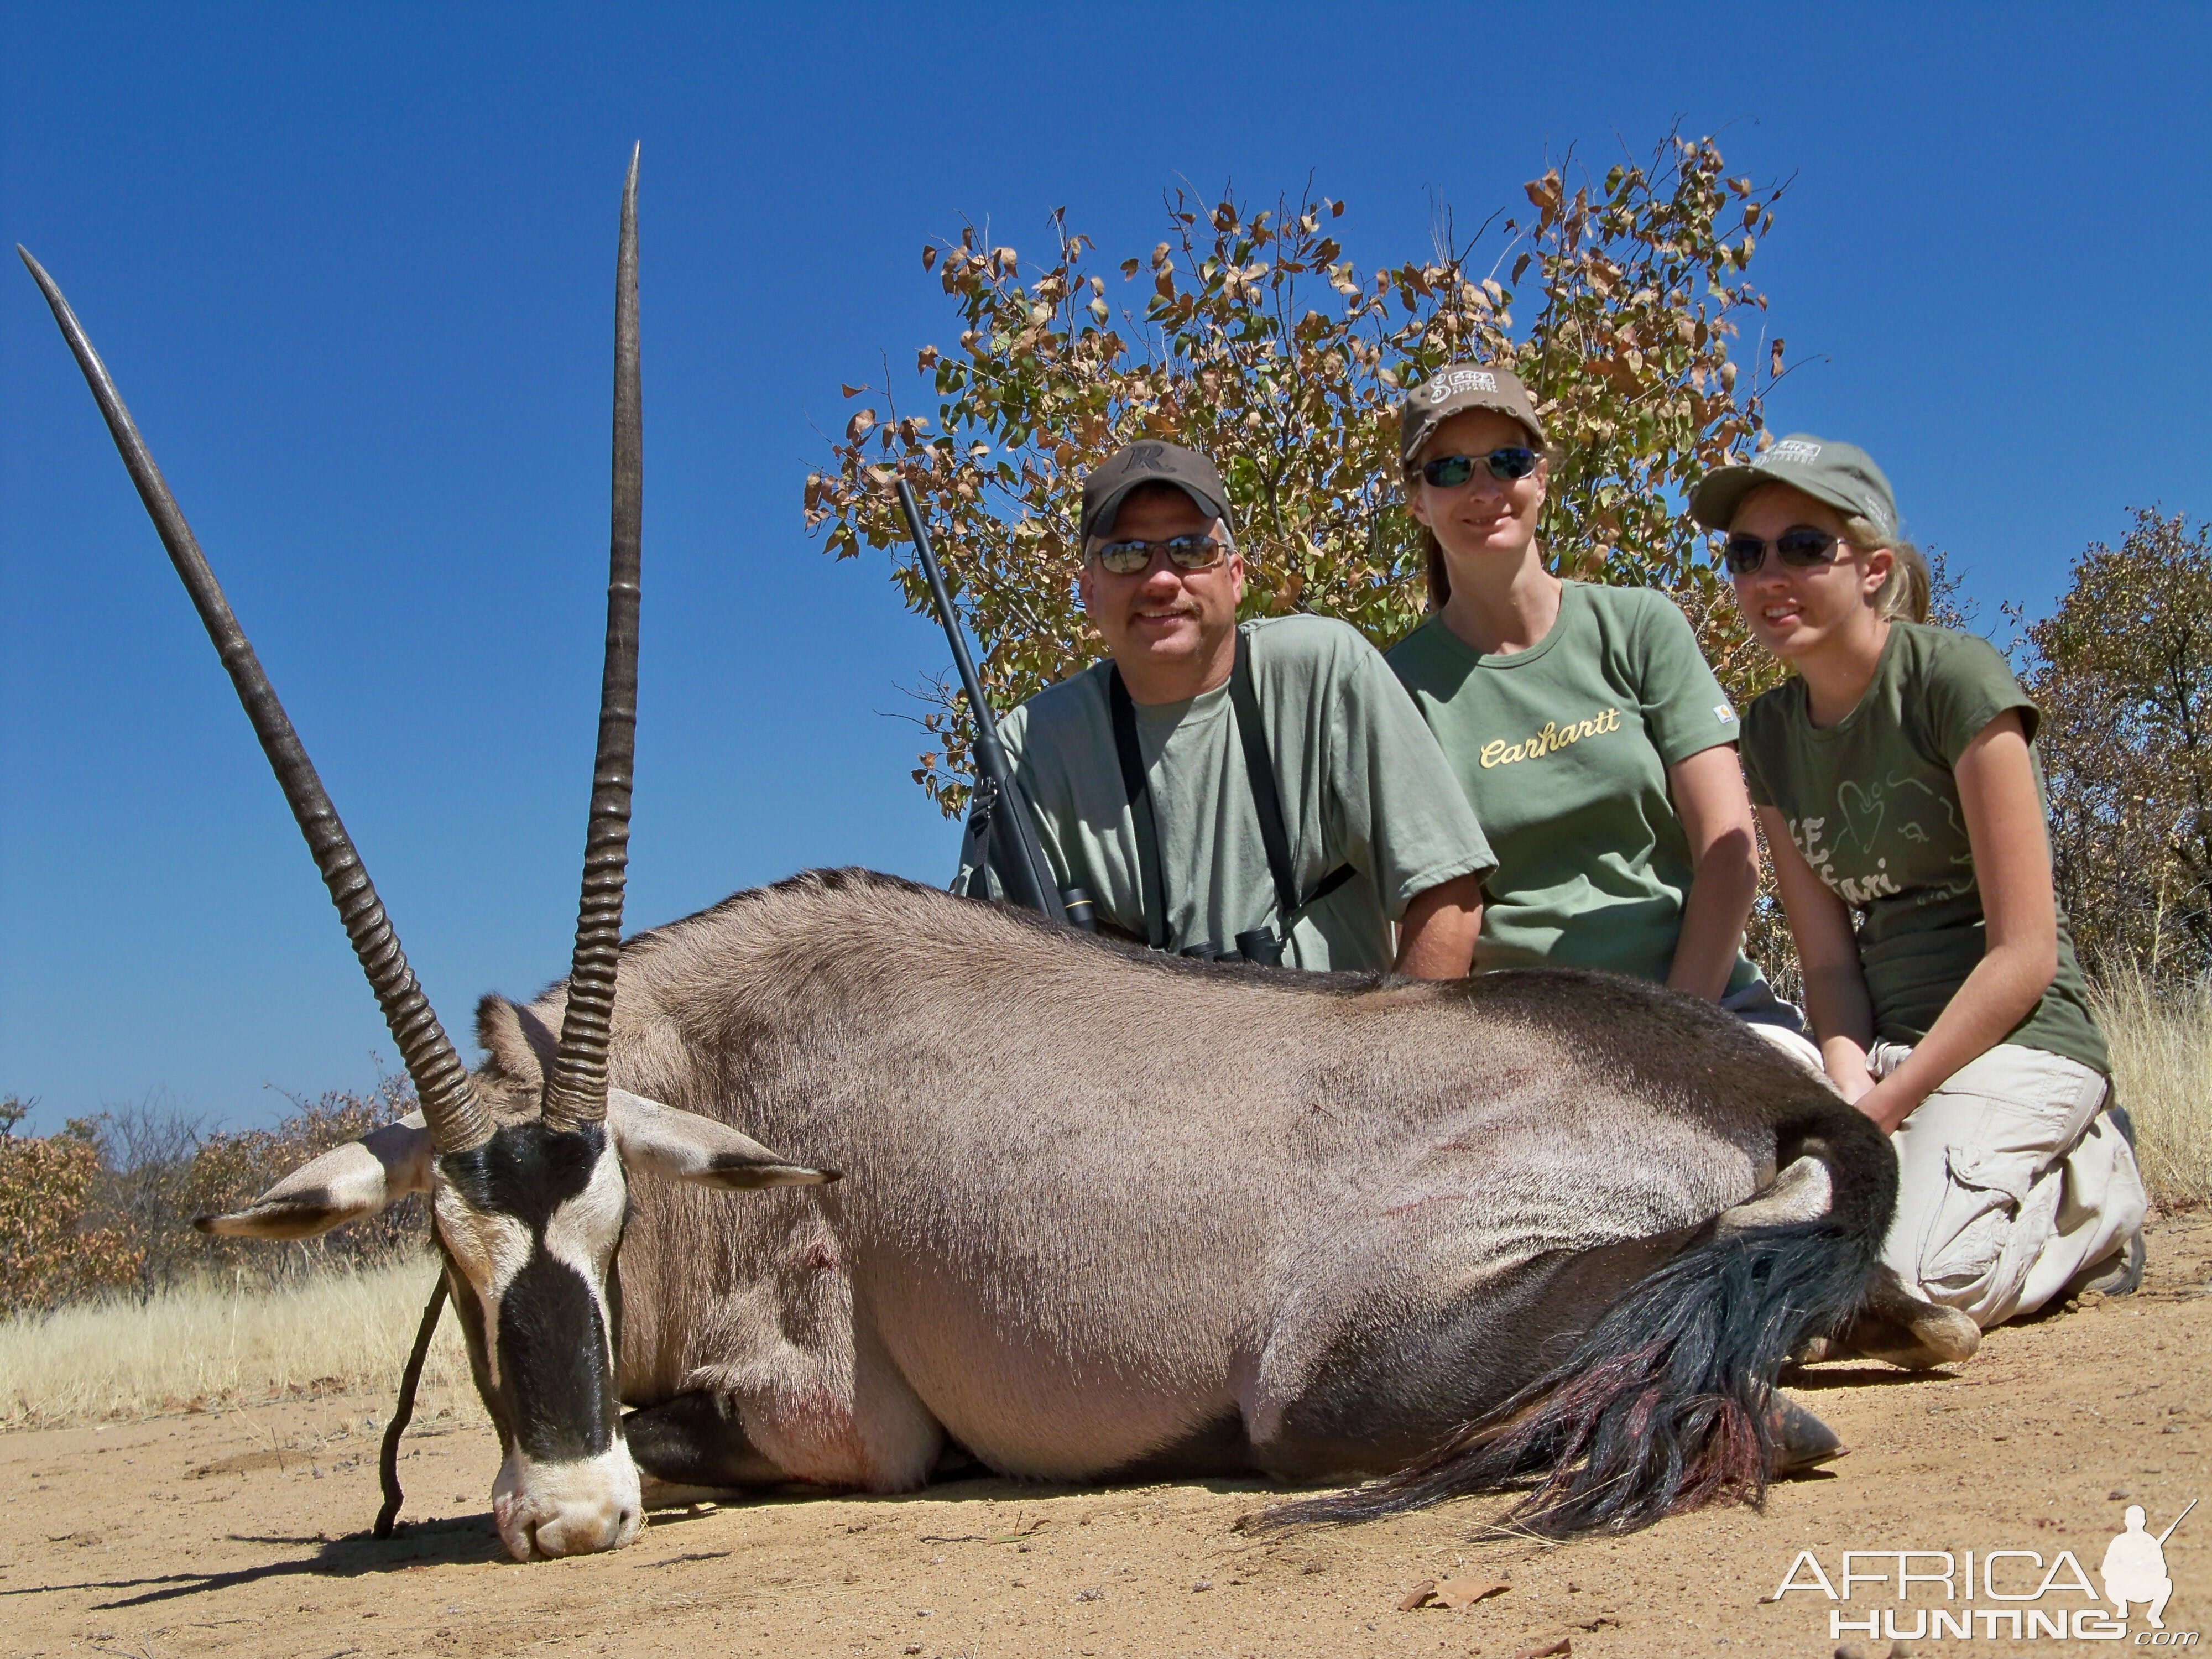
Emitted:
<point x="694" y="1447"/>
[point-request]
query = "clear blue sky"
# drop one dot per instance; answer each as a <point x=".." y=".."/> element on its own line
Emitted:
<point x="352" y="269"/>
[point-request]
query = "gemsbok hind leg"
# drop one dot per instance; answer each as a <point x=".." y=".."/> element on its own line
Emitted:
<point x="1901" y="1329"/>
<point x="1894" y="1325"/>
<point x="1476" y="1312"/>
<point x="1466" y="1320"/>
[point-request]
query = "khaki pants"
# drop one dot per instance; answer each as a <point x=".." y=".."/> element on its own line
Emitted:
<point x="2012" y="1179"/>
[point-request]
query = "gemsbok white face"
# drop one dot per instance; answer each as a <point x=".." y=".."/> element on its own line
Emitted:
<point x="528" y="1200"/>
<point x="530" y="1221"/>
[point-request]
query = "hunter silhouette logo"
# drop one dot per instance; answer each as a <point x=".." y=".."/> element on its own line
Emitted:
<point x="2133" y="1568"/>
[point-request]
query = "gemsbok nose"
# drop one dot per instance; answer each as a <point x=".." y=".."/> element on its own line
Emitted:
<point x="567" y="1509"/>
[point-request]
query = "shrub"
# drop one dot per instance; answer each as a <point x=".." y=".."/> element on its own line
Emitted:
<point x="1254" y="336"/>
<point x="107" y="1205"/>
<point x="48" y="1252"/>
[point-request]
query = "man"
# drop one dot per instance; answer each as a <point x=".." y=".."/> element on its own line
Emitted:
<point x="1166" y="824"/>
<point x="2133" y="1568"/>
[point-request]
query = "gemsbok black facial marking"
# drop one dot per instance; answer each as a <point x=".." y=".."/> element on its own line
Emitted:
<point x="553" y="1347"/>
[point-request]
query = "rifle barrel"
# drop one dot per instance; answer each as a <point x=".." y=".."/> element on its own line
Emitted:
<point x="990" y="754"/>
<point x="2177" y="1521"/>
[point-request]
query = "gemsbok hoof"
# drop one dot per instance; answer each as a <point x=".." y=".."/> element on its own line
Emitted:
<point x="1801" y="1441"/>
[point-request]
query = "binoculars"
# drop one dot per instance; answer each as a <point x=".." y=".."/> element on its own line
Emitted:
<point x="1260" y="945"/>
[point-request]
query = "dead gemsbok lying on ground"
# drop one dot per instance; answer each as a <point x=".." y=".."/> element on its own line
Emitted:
<point x="1103" y="1213"/>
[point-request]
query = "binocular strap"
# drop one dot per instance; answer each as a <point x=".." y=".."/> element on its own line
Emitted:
<point x="1260" y="775"/>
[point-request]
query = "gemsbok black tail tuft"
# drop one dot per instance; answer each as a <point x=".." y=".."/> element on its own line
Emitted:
<point x="1667" y="1402"/>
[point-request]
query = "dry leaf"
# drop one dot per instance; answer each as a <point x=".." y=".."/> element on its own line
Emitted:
<point x="1466" y="1592"/>
<point x="1563" y="1646"/>
<point x="1415" y="1596"/>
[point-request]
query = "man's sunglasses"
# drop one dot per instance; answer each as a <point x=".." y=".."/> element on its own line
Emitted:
<point x="1187" y="552"/>
<point x="1449" y="472"/>
<point x="1802" y="549"/>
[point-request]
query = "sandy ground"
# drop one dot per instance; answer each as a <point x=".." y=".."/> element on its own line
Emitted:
<point x="243" y="1533"/>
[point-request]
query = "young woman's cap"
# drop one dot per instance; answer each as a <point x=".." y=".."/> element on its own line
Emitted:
<point x="1134" y="465"/>
<point x="1842" y="475"/>
<point x="1452" y="390"/>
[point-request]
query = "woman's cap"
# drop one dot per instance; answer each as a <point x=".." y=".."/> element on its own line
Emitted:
<point x="1843" y="475"/>
<point x="1132" y="466"/>
<point x="1452" y="390"/>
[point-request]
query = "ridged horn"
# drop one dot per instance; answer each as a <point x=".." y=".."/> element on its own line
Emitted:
<point x="577" y="1093"/>
<point x="457" y="1119"/>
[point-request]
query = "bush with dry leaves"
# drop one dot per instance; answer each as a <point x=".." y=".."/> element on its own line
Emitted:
<point x="50" y="1251"/>
<point x="1254" y="337"/>
<point x="106" y="1206"/>
<point x="2122" y="673"/>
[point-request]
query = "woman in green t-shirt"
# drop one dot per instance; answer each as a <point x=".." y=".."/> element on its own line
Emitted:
<point x="1582" y="720"/>
<point x="1900" y="794"/>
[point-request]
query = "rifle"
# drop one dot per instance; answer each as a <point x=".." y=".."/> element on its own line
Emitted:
<point x="2178" y="1520"/>
<point x="998" y="799"/>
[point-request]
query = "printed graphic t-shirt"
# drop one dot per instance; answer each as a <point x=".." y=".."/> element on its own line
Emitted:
<point x="1361" y="781"/>
<point x="1873" y="805"/>
<point x="1563" y="750"/>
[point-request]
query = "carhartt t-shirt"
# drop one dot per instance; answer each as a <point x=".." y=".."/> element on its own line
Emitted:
<point x="1563" y="750"/>
<point x="1360" y="778"/>
<point x="1873" y="805"/>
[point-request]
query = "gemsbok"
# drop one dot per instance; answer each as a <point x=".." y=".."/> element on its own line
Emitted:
<point x="1103" y="1213"/>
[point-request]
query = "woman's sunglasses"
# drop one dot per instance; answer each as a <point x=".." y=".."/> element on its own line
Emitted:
<point x="1186" y="552"/>
<point x="1802" y="549"/>
<point x="1449" y="472"/>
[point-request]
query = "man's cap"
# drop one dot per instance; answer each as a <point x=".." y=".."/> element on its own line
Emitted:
<point x="1843" y="476"/>
<point x="1455" y="389"/>
<point x="1150" y="462"/>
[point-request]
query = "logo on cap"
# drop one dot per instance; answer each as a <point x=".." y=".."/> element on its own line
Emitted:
<point x="1793" y="451"/>
<point x="1144" y="457"/>
<point x="1461" y="379"/>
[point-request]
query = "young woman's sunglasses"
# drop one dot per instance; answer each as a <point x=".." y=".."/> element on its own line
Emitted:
<point x="1186" y="553"/>
<point x="1449" y="472"/>
<point x="1801" y="549"/>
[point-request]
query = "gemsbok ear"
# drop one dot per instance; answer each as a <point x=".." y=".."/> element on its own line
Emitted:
<point x="680" y="1145"/>
<point x="347" y="1183"/>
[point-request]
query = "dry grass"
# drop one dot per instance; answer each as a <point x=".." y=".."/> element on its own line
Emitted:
<point x="2162" y="1069"/>
<point x="215" y="1344"/>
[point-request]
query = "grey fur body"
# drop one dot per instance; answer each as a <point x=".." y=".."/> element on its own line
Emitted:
<point x="1105" y="1211"/>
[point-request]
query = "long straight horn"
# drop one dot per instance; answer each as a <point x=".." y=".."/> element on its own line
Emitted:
<point x="577" y="1093"/>
<point x="457" y="1120"/>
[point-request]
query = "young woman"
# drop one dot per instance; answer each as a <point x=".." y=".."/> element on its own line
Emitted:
<point x="1583" y="724"/>
<point x="1900" y="791"/>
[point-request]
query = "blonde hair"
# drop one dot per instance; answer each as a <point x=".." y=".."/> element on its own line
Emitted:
<point x="1906" y="591"/>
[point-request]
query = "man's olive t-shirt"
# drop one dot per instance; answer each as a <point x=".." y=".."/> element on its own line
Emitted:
<point x="1563" y="749"/>
<point x="1360" y="779"/>
<point x="1873" y="804"/>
